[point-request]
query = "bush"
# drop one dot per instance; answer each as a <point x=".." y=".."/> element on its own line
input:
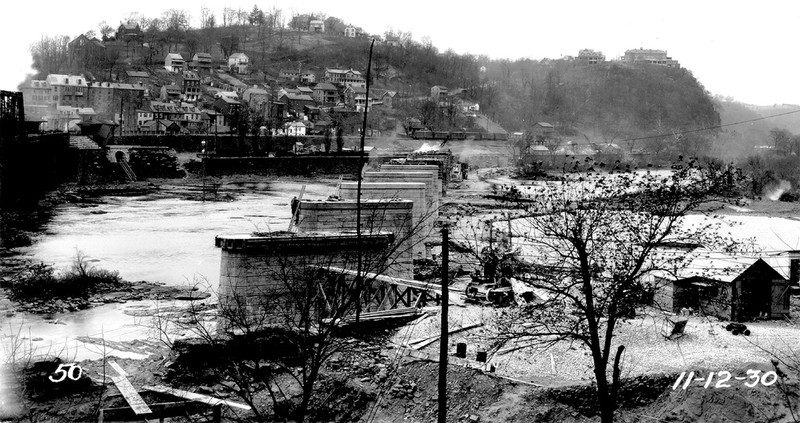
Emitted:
<point x="790" y="196"/>
<point x="41" y="281"/>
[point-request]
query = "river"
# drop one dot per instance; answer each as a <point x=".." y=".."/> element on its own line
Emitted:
<point x="145" y="238"/>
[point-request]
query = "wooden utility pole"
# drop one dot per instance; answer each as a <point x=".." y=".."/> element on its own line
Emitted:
<point x="359" y="283"/>
<point x="445" y="330"/>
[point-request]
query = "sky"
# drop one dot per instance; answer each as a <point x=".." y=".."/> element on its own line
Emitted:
<point x="734" y="48"/>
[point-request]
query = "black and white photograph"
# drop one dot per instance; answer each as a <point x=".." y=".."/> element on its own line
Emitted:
<point x="412" y="211"/>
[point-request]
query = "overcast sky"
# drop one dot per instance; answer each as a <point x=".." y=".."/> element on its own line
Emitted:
<point x="735" y="48"/>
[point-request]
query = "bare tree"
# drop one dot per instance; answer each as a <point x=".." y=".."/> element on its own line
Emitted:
<point x="591" y="247"/>
<point x="50" y="54"/>
<point x="276" y="337"/>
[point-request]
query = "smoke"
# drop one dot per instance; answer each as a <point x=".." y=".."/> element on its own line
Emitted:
<point x="426" y="148"/>
<point x="775" y="193"/>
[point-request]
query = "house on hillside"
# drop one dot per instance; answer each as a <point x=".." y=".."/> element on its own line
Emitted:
<point x="137" y="77"/>
<point x="350" y="31"/>
<point x="295" y="129"/>
<point x="174" y="62"/>
<point x="651" y="56"/>
<point x="541" y="132"/>
<point x="83" y="50"/>
<point x="296" y="102"/>
<point x="190" y="85"/>
<point x="256" y="98"/>
<point x="345" y="77"/>
<point x="308" y="78"/>
<point x="290" y="74"/>
<point x="316" y="25"/>
<point x="591" y="57"/>
<point x="170" y="92"/>
<point x="725" y="286"/>
<point x="129" y="32"/>
<point x="384" y="98"/>
<point x="326" y="93"/>
<point x="357" y="98"/>
<point x="239" y="63"/>
<point x="201" y="62"/>
<point x="439" y="92"/>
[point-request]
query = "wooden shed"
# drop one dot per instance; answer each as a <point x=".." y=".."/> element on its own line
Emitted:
<point x="725" y="286"/>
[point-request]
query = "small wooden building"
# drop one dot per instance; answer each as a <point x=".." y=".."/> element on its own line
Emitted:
<point x="728" y="287"/>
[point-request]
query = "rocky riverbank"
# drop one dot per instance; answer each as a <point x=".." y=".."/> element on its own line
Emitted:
<point x="120" y="293"/>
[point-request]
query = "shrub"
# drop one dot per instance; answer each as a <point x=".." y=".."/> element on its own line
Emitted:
<point x="41" y="281"/>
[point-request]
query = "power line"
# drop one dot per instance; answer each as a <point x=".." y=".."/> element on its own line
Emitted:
<point x="715" y="126"/>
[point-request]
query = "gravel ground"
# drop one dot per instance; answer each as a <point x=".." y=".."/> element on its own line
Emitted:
<point x="706" y="344"/>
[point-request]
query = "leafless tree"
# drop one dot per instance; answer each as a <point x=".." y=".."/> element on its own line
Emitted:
<point x="275" y="339"/>
<point x="591" y="247"/>
<point x="50" y="54"/>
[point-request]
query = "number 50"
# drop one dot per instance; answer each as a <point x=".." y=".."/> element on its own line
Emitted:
<point x="70" y="373"/>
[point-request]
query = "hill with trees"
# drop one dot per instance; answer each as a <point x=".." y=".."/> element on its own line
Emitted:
<point x="610" y="102"/>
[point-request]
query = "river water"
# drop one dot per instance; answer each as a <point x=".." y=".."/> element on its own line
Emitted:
<point x="167" y="240"/>
<point x="145" y="238"/>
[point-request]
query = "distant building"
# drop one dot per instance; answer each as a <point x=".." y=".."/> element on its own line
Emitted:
<point x="190" y="86"/>
<point x="239" y="63"/>
<point x="202" y="62"/>
<point x="591" y="57"/>
<point x="438" y="92"/>
<point x="68" y="90"/>
<point x="295" y="129"/>
<point x="170" y="92"/>
<point x="308" y="78"/>
<point x="346" y="78"/>
<point x="83" y="50"/>
<point x="128" y="32"/>
<point x="357" y="98"/>
<point x="326" y="93"/>
<point x="292" y="75"/>
<point x="174" y="62"/>
<point x="256" y="98"/>
<point x="653" y="57"/>
<point x="37" y="98"/>
<point x="316" y="25"/>
<point x="350" y="31"/>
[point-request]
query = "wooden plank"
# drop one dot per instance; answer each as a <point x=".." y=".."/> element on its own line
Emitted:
<point x="205" y="399"/>
<point x="131" y="396"/>
<point x="427" y="341"/>
<point x="117" y="368"/>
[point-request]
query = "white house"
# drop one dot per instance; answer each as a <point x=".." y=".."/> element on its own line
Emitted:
<point x="239" y="63"/>
<point x="350" y="31"/>
<point x="316" y="25"/>
<point x="174" y="62"/>
<point x="296" y="129"/>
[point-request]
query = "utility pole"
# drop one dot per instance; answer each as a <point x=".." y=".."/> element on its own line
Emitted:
<point x="359" y="283"/>
<point x="445" y="329"/>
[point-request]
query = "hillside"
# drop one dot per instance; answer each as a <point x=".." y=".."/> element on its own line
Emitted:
<point x="739" y="139"/>
<point x="605" y="103"/>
